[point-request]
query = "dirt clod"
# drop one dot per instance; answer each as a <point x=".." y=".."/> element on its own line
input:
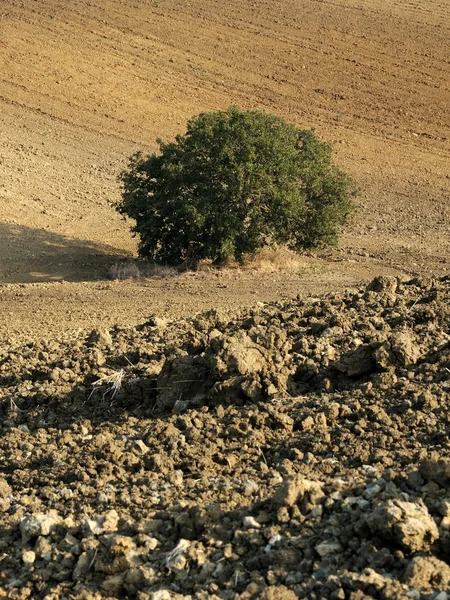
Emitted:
<point x="235" y="455"/>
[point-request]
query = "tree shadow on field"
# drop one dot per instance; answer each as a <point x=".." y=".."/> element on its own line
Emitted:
<point x="30" y="255"/>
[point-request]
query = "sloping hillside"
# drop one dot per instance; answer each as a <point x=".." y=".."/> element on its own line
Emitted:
<point x="297" y="448"/>
<point x="84" y="84"/>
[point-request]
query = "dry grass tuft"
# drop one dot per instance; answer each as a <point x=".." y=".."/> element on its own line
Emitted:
<point x="133" y="269"/>
<point x="124" y="270"/>
<point x="276" y="259"/>
<point x="271" y="260"/>
<point x="111" y="384"/>
<point x="158" y="271"/>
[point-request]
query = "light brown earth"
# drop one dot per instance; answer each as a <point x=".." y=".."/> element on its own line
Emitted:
<point x="85" y="84"/>
<point x="295" y="450"/>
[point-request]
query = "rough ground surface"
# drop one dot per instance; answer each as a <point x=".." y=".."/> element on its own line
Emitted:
<point x="85" y="84"/>
<point x="299" y="450"/>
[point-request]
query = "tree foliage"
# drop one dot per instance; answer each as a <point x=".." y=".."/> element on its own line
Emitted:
<point x="234" y="182"/>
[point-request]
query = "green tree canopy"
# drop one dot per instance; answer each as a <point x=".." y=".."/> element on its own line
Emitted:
<point x="234" y="182"/>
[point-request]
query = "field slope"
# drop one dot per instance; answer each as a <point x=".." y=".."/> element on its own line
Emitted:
<point x="85" y="84"/>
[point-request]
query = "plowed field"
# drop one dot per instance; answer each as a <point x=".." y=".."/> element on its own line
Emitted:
<point x="292" y="439"/>
<point x="85" y="84"/>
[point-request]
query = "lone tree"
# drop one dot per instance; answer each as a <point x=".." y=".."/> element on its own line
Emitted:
<point x="233" y="183"/>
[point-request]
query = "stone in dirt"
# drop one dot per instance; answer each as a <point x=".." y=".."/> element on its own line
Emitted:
<point x="39" y="524"/>
<point x="28" y="557"/>
<point x="99" y="337"/>
<point x="427" y="573"/>
<point x="82" y="567"/>
<point x="100" y="524"/>
<point x="328" y="548"/>
<point x="294" y="489"/>
<point x="408" y="523"/>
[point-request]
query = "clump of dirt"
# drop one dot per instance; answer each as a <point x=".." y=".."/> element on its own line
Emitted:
<point x="297" y="450"/>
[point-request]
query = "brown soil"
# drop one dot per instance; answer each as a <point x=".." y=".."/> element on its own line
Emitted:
<point x="83" y="85"/>
<point x="289" y="450"/>
<point x="299" y="450"/>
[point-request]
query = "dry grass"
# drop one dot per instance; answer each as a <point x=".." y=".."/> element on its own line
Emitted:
<point x="268" y="260"/>
<point x="111" y="384"/>
<point x="158" y="271"/>
<point x="275" y="260"/>
<point x="133" y="269"/>
<point x="124" y="270"/>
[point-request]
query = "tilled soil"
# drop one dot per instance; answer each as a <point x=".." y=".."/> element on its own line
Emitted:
<point x="298" y="450"/>
<point x="83" y="85"/>
<point x="44" y="310"/>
